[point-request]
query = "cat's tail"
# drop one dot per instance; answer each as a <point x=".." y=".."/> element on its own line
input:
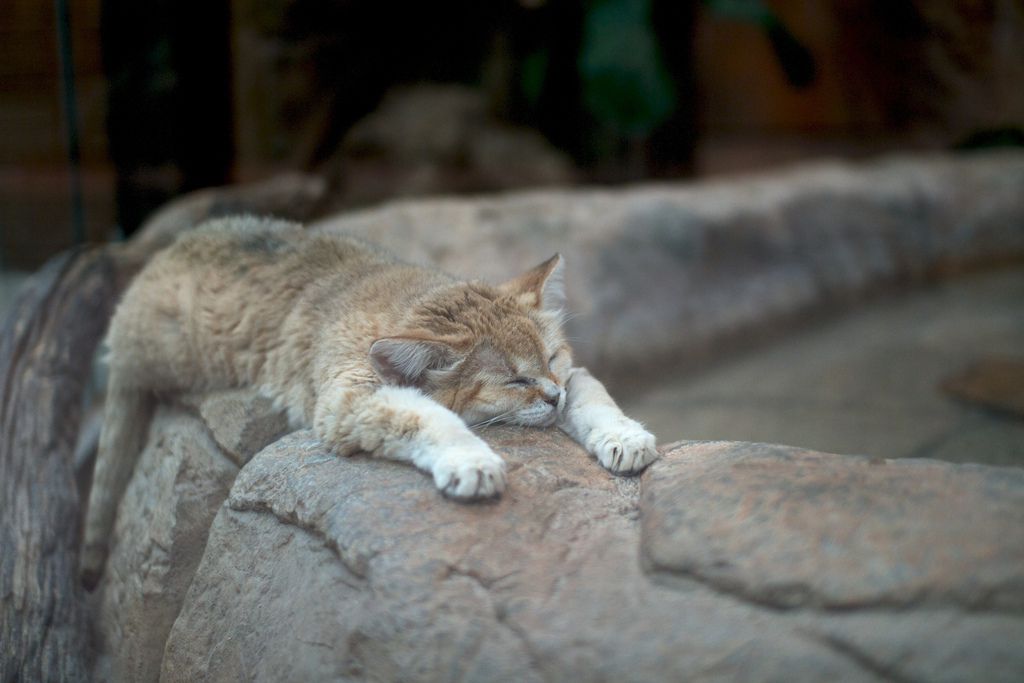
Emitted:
<point x="126" y="419"/>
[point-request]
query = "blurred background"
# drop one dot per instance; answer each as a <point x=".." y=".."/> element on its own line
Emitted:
<point x="110" y="108"/>
<point x="172" y="96"/>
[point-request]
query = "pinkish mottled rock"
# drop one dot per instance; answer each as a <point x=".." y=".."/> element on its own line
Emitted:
<point x="322" y="568"/>
<point x="791" y="528"/>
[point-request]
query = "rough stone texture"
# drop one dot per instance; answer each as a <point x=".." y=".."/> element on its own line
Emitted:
<point x="789" y="528"/>
<point x="161" y="533"/>
<point x="242" y="422"/>
<point x="724" y="561"/>
<point x="180" y="481"/>
<point x="545" y="584"/>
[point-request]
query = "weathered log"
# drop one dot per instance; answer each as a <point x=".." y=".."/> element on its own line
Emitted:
<point x="47" y="342"/>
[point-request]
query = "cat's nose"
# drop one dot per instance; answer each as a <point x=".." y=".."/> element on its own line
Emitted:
<point x="552" y="393"/>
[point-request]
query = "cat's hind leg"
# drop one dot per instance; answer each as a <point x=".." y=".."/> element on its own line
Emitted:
<point x="593" y="420"/>
<point x="401" y="423"/>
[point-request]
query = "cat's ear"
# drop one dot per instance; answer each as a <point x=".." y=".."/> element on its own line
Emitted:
<point x="542" y="287"/>
<point x="404" y="360"/>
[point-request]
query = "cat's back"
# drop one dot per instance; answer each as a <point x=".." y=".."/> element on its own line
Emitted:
<point x="227" y="270"/>
<point x="210" y="309"/>
<point x="236" y="242"/>
<point x="248" y="256"/>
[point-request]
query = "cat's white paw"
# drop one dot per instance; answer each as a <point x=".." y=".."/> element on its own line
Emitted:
<point x="622" y="446"/>
<point x="469" y="473"/>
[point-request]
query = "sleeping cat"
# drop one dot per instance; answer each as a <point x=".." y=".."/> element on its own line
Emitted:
<point x="375" y="355"/>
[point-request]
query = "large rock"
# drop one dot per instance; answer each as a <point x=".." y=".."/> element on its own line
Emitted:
<point x="373" y="575"/>
<point x="791" y="528"/>
<point x="724" y="560"/>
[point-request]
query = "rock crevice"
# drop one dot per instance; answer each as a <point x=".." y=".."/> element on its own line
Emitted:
<point x="357" y="566"/>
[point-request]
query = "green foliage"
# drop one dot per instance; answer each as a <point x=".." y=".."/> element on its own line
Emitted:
<point x="753" y="11"/>
<point x="625" y="83"/>
<point x="534" y="71"/>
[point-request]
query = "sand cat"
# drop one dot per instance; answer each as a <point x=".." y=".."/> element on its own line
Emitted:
<point x="376" y="355"/>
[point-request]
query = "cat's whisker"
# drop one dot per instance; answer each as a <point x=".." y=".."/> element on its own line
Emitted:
<point x="492" y="420"/>
<point x="564" y="317"/>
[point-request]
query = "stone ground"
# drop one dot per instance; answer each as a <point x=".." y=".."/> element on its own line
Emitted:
<point x="867" y="382"/>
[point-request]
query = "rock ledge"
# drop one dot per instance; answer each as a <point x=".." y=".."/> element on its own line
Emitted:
<point x="728" y="560"/>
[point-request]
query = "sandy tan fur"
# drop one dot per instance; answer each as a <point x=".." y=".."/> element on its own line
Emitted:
<point x="376" y="355"/>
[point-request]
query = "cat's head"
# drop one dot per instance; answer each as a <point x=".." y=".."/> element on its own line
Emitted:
<point x="488" y="353"/>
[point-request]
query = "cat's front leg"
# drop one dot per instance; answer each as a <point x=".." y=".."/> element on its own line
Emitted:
<point x="400" y="423"/>
<point x="592" y="418"/>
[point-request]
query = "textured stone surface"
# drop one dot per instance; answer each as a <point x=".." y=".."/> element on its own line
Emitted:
<point x="431" y="139"/>
<point x="242" y="422"/>
<point x="789" y="528"/>
<point x="181" y="480"/>
<point x="924" y="644"/>
<point x="372" y="574"/>
<point x="324" y="568"/>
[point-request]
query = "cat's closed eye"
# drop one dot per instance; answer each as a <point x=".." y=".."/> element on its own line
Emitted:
<point x="522" y="382"/>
